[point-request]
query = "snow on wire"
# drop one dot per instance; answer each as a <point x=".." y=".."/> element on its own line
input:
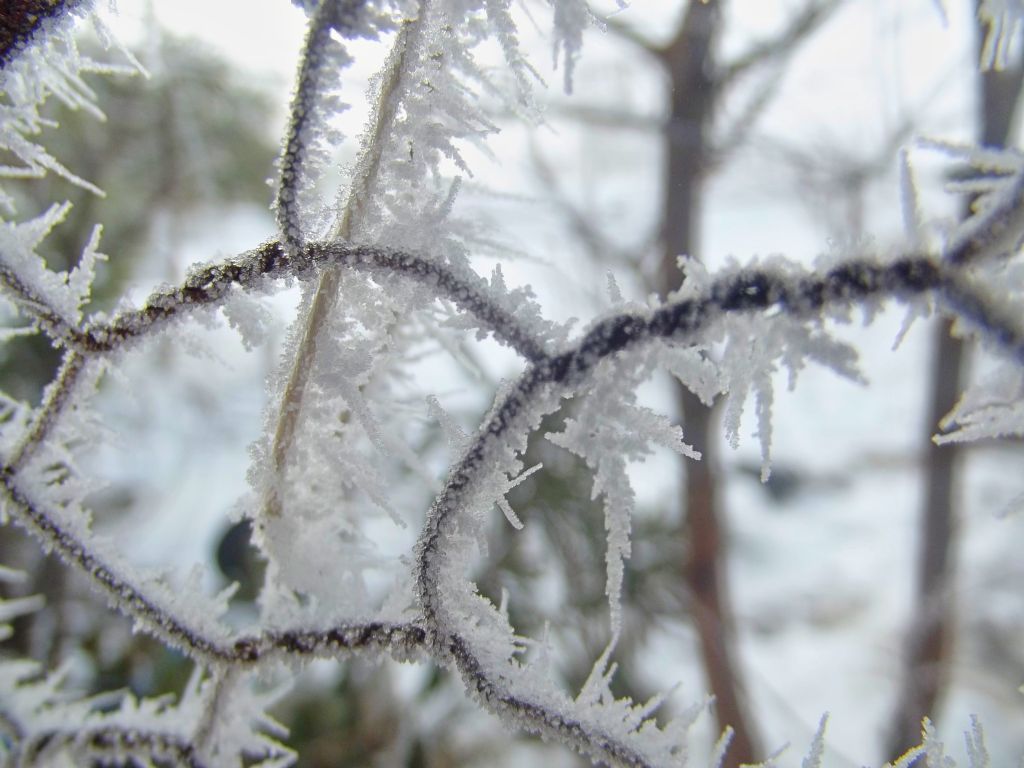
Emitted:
<point x="378" y="253"/>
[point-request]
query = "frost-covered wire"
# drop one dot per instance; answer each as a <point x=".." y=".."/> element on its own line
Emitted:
<point x="551" y="375"/>
<point x="158" y="613"/>
<point x="748" y="290"/>
<point x="321" y="60"/>
<point x="381" y="240"/>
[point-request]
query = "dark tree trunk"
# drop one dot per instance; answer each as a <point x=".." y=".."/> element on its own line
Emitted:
<point x="930" y="639"/>
<point x="689" y="61"/>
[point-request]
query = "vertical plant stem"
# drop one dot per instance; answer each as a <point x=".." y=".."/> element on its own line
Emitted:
<point x="325" y="294"/>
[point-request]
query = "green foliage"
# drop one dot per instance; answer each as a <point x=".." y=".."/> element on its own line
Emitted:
<point x="189" y="135"/>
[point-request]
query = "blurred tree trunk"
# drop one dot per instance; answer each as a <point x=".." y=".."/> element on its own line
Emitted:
<point x="929" y="645"/>
<point x="699" y="81"/>
<point x="690" y="63"/>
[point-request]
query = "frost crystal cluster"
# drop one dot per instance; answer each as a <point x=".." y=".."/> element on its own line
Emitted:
<point x="383" y="266"/>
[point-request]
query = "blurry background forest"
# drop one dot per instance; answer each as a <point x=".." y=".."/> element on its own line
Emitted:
<point x="852" y="581"/>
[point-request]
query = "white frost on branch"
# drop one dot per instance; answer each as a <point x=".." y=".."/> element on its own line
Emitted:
<point x="401" y="192"/>
<point x="723" y="335"/>
<point x="608" y="429"/>
<point x="51" y="65"/>
<point x="752" y="349"/>
<point x="52" y="727"/>
<point x="1004" y="19"/>
<point x="993" y="408"/>
<point x="62" y="293"/>
<point x="993" y="181"/>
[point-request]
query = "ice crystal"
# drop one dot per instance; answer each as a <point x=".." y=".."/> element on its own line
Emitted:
<point x="1004" y="18"/>
<point x="386" y="272"/>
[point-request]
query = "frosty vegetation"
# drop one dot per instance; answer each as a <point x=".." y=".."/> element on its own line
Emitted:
<point x="381" y="266"/>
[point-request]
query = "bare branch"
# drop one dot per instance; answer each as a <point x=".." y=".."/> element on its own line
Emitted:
<point x="606" y="117"/>
<point x="775" y="50"/>
<point x="618" y="28"/>
<point x="600" y="249"/>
